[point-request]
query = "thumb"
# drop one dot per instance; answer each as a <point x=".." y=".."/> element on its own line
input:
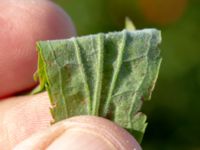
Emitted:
<point x="82" y="132"/>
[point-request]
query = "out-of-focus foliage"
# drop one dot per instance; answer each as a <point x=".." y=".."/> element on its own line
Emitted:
<point x="174" y="111"/>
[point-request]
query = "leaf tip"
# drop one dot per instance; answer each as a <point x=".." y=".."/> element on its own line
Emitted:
<point x="129" y="25"/>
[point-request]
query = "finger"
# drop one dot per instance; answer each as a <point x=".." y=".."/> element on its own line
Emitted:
<point x="22" y="24"/>
<point x="83" y="132"/>
<point x="22" y="116"/>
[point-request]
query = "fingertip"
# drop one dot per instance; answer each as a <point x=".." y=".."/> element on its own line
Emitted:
<point x="22" y="116"/>
<point x="85" y="133"/>
<point x="22" y="24"/>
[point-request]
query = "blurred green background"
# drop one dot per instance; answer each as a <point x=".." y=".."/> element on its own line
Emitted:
<point x="174" y="111"/>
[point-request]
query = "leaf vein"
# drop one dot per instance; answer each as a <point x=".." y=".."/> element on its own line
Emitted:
<point x="116" y="72"/>
<point x="83" y="73"/>
<point x="98" y="84"/>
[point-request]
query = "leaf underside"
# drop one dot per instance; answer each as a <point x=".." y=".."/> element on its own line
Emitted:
<point x="107" y="75"/>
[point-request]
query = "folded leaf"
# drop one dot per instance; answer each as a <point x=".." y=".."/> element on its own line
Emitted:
<point x="107" y="75"/>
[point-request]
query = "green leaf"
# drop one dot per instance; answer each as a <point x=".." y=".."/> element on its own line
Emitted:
<point x="107" y="75"/>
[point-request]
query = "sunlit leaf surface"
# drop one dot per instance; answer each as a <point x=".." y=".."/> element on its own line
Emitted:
<point x="108" y="75"/>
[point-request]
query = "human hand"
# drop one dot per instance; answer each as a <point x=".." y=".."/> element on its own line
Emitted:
<point x="22" y="24"/>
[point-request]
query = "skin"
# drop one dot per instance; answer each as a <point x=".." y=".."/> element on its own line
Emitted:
<point x="22" y="24"/>
<point x="24" y="120"/>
